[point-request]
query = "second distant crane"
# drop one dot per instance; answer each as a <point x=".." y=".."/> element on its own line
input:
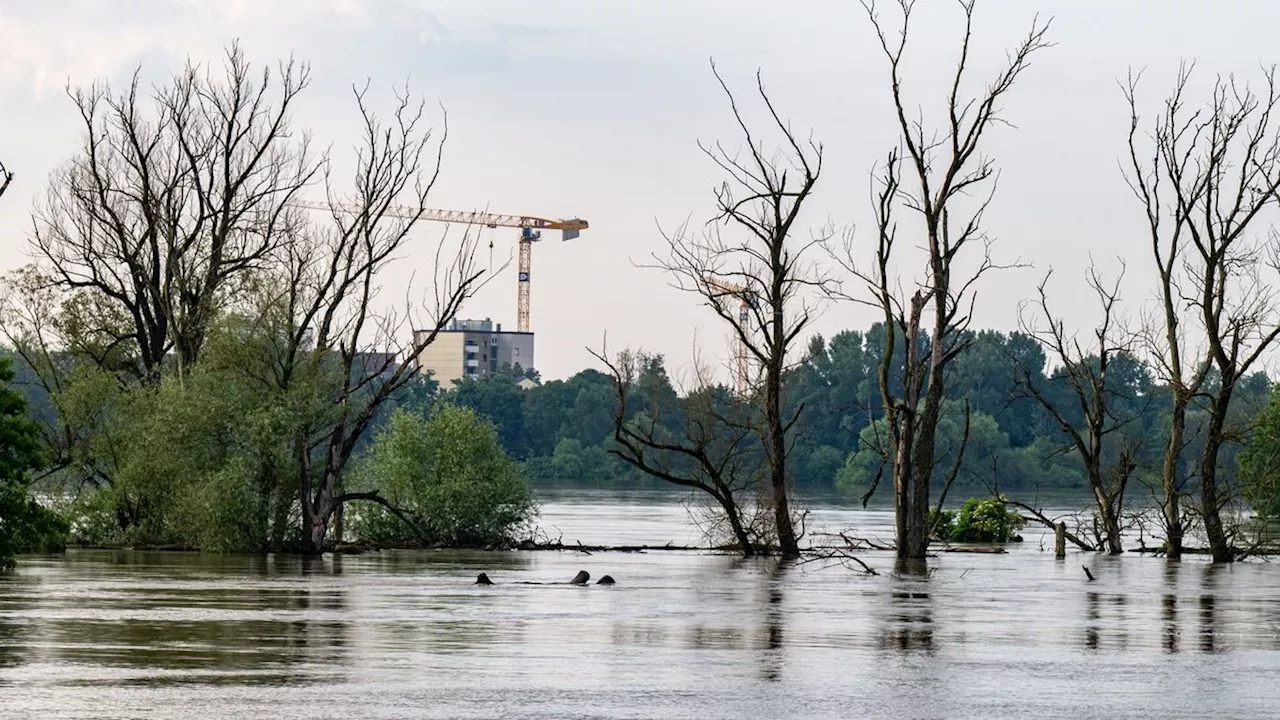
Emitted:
<point x="741" y="357"/>
<point x="530" y="232"/>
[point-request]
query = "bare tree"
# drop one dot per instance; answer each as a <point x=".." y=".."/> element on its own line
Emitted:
<point x="1086" y="370"/>
<point x="325" y="315"/>
<point x="762" y="261"/>
<point x="6" y="177"/>
<point x="166" y="203"/>
<point x="1205" y="177"/>
<point x="946" y="168"/>
<point x="715" y="450"/>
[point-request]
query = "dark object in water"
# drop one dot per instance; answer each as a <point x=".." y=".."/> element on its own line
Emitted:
<point x="483" y="579"/>
<point x="606" y="580"/>
<point x="581" y="578"/>
<point x="1087" y="573"/>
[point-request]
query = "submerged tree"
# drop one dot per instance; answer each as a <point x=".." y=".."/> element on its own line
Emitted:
<point x="1096" y="415"/>
<point x="944" y="169"/>
<point x="751" y="269"/>
<point x="709" y="445"/>
<point x="1206" y="177"/>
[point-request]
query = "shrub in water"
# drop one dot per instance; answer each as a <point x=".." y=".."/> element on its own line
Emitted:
<point x="980" y="520"/>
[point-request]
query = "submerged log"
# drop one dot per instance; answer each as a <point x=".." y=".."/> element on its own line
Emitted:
<point x="979" y="550"/>
<point x="606" y="580"/>
<point x="483" y="579"/>
<point x="588" y="549"/>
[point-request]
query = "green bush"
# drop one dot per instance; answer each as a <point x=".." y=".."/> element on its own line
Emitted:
<point x="448" y="473"/>
<point x="980" y="520"/>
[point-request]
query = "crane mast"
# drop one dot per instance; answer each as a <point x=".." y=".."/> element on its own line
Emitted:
<point x="530" y="232"/>
<point x="741" y="357"/>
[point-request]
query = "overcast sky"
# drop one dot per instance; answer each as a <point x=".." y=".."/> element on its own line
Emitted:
<point x="593" y="108"/>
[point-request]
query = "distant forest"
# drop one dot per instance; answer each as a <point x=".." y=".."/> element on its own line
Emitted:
<point x="562" y="430"/>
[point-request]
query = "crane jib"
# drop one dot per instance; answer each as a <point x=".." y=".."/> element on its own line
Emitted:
<point x="528" y="225"/>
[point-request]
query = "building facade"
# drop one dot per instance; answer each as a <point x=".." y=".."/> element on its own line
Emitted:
<point x="473" y="348"/>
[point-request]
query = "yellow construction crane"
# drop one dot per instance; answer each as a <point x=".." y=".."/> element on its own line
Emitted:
<point x="741" y="358"/>
<point x="530" y="232"/>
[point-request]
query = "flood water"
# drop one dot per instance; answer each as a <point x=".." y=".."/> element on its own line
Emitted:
<point x="407" y="635"/>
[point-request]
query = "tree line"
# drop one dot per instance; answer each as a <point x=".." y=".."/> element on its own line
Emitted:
<point x="563" y="430"/>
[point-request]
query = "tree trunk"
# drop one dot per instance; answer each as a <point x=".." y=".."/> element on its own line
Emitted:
<point x="337" y="524"/>
<point x="1210" y="498"/>
<point x="1213" y="523"/>
<point x="735" y="524"/>
<point x="903" y="496"/>
<point x="1172" y="508"/>
<point x="788" y="545"/>
<point x="913" y="459"/>
<point x="1210" y="502"/>
<point x="1110" y="519"/>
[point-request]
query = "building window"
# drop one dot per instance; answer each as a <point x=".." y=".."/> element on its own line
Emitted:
<point x="516" y="352"/>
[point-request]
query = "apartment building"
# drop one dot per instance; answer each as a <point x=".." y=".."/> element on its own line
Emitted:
<point x="473" y="348"/>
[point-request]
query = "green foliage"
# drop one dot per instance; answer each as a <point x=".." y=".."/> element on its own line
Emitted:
<point x="1259" y="462"/>
<point x="980" y="520"/>
<point x="198" y="460"/>
<point x="571" y="461"/>
<point x="24" y="524"/>
<point x="989" y="458"/>
<point x="449" y="474"/>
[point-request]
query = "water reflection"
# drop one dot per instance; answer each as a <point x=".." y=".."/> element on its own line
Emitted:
<point x="774" y="615"/>
<point x="1107" y="622"/>
<point x="681" y="635"/>
<point x="1171" y="634"/>
<point x="909" y="620"/>
<point x="1208" y="608"/>
<point x="15" y="632"/>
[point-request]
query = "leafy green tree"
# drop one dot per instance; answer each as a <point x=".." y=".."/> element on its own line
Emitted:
<point x="984" y="375"/>
<point x="589" y="465"/>
<point x="24" y="523"/>
<point x="443" y="479"/>
<point x="500" y="400"/>
<point x="1259" y="462"/>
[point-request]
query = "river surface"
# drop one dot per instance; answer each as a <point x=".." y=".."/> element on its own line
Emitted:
<point x="407" y="635"/>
